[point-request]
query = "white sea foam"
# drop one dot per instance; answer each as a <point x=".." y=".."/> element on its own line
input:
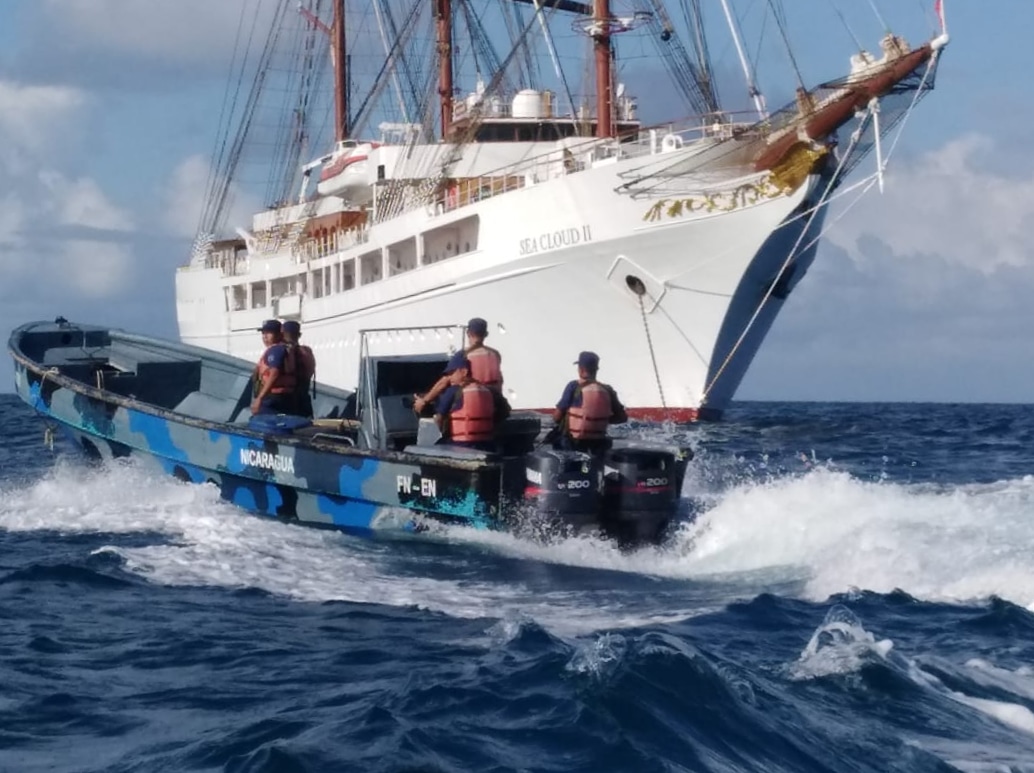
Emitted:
<point x="824" y="530"/>
<point x="206" y="542"/>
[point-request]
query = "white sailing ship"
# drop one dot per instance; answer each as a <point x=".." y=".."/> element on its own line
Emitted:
<point x="667" y="249"/>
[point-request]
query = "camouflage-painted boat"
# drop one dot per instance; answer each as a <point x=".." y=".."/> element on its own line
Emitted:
<point x="366" y="462"/>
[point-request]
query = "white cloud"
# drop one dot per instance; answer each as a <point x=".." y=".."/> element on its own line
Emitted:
<point x="186" y="31"/>
<point x="184" y="198"/>
<point x="34" y="120"/>
<point x="82" y="202"/>
<point x="96" y="269"/>
<point x="947" y="203"/>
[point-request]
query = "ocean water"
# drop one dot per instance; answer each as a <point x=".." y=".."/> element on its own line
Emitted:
<point x="854" y="595"/>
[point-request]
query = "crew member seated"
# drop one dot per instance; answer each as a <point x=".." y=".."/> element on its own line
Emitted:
<point x="485" y="363"/>
<point x="467" y="413"/>
<point x="305" y="362"/>
<point x="586" y="408"/>
<point x="274" y="380"/>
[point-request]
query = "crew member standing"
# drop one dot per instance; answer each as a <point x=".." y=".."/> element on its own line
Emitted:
<point x="305" y="362"/>
<point x="586" y="408"/>
<point x="485" y="363"/>
<point x="274" y="381"/>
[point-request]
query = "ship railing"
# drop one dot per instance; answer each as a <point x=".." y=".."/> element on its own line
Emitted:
<point x="228" y="264"/>
<point x="335" y="241"/>
<point x="580" y="156"/>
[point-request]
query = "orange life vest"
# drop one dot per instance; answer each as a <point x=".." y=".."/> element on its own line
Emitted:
<point x="589" y="420"/>
<point x="286" y="380"/>
<point x="486" y="366"/>
<point x="474" y="421"/>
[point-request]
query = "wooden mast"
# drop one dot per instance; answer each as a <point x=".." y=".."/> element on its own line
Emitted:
<point x="340" y="73"/>
<point x="443" y="18"/>
<point x="604" y="78"/>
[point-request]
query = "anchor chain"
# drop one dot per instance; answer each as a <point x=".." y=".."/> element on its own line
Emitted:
<point x="640" y="290"/>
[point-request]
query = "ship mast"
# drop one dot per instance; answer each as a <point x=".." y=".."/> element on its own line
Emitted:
<point x="443" y="19"/>
<point x="604" y="79"/>
<point x="340" y="73"/>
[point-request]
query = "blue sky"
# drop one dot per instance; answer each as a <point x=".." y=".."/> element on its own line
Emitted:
<point x="109" y="109"/>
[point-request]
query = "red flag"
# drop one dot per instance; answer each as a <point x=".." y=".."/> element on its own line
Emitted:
<point x="938" y="8"/>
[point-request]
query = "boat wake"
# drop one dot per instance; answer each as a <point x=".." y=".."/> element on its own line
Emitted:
<point x="810" y="535"/>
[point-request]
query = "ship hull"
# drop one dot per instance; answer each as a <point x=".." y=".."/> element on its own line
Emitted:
<point x="555" y="272"/>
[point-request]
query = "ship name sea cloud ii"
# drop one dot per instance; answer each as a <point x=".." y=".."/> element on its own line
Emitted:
<point x="427" y="161"/>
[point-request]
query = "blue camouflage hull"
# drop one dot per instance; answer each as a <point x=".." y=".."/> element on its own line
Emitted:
<point x="343" y="488"/>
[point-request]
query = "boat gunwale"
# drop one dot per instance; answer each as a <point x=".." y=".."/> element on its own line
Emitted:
<point x="52" y="373"/>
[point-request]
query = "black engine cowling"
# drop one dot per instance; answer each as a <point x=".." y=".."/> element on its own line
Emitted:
<point x="641" y="489"/>
<point x="564" y="486"/>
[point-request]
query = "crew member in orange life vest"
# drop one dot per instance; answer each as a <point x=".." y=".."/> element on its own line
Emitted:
<point x="274" y="381"/>
<point x="305" y="361"/>
<point x="586" y="408"/>
<point x="467" y="412"/>
<point x="485" y="364"/>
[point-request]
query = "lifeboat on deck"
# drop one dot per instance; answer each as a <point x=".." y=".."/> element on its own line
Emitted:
<point x="346" y="172"/>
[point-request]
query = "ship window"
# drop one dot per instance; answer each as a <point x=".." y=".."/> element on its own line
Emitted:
<point x="452" y="239"/>
<point x="258" y="295"/>
<point x="380" y="172"/>
<point x="370" y="267"/>
<point x="402" y="256"/>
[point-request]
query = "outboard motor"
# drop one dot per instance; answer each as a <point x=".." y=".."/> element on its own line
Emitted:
<point x="640" y="491"/>
<point x="563" y="488"/>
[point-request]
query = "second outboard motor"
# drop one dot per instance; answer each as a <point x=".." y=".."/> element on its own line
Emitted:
<point x="563" y="488"/>
<point x="640" y="491"/>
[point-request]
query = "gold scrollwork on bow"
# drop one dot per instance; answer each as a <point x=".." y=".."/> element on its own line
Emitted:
<point x="783" y="179"/>
<point x="724" y="201"/>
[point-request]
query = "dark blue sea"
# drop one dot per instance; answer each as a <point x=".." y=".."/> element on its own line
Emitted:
<point x="854" y="595"/>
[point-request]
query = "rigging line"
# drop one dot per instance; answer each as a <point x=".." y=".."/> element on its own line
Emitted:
<point x="847" y="26"/>
<point x="218" y="150"/>
<point x="380" y="80"/>
<point x="489" y="89"/>
<point x="247" y="118"/>
<point x="814" y="211"/>
<point x="483" y="40"/>
<point x="552" y="53"/>
<point x="668" y="43"/>
<point x="414" y="89"/>
<point x="666" y="166"/>
<point x="789" y="258"/>
<point x="514" y="21"/>
<point x="875" y="10"/>
<point x="394" y="75"/>
<point x="780" y="20"/>
<point x="465" y="10"/>
<point x="920" y="91"/>
<point x="218" y="174"/>
<point x="694" y="27"/>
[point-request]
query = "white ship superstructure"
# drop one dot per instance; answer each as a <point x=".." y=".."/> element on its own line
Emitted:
<point x="667" y="250"/>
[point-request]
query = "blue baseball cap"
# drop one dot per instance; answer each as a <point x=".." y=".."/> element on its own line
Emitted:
<point x="270" y="326"/>
<point x="457" y="361"/>
<point x="292" y="326"/>
<point x="478" y="327"/>
<point x="588" y="360"/>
